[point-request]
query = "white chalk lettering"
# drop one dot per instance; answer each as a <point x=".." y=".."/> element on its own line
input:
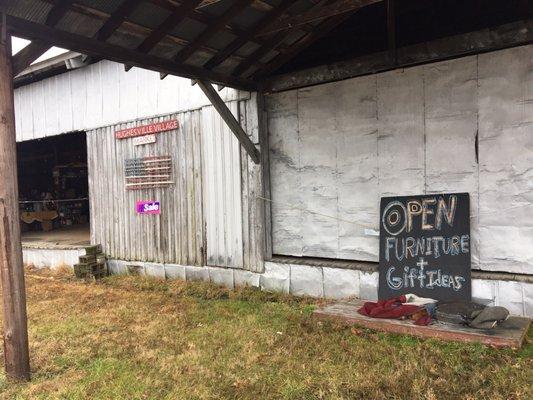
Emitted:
<point x="419" y="276"/>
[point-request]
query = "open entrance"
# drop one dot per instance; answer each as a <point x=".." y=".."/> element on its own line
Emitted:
<point x="54" y="191"/>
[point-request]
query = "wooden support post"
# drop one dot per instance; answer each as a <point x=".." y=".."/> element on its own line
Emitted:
<point x="230" y="120"/>
<point x="391" y="31"/>
<point x="265" y="170"/>
<point x="16" y="355"/>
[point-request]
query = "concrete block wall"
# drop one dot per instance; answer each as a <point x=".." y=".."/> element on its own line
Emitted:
<point x="322" y="282"/>
<point x="51" y="258"/>
<point x="296" y="279"/>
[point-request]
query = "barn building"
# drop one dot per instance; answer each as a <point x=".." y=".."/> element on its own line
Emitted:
<point x="395" y="98"/>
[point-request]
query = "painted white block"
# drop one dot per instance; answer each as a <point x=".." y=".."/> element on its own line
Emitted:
<point x="306" y="281"/>
<point x="276" y="278"/>
<point x="117" y="267"/>
<point x="196" y="273"/>
<point x="341" y="283"/>
<point x="484" y="291"/>
<point x="48" y="258"/>
<point x="244" y="278"/>
<point x="511" y="297"/>
<point x="155" y="270"/>
<point x="368" y="288"/>
<point x="221" y="276"/>
<point x="528" y="298"/>
<point x="174" y="271"/>
<point x="135" y="268"/>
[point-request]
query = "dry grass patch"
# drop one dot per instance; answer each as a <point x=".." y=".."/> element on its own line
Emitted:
<point x="135" y="338"/>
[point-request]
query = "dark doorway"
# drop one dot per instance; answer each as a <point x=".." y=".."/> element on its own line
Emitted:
<point x="54" y="190"/>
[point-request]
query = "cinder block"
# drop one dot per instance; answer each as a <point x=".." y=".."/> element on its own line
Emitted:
<point x="276" y="277"/>
<point x="196" y="273"/>
<point x="484" y="291"/>
<point x="341" y="283"/>
<point x="246" y="278"/>
<point x="511" y="297"/>
<point x="306" y="281"/>
<point x="528" y="299"/>
<point x="135" y="268"/>
<point x="221" y="276"/>
<point x="174" y="271"/>
<point x="154" y="270"/>
<point x="368" y="288"/>
<point x="117" y="267"/>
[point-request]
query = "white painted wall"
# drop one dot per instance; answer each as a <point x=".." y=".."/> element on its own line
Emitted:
<point x="337" y="148"/>
<point x="103" y="94"/>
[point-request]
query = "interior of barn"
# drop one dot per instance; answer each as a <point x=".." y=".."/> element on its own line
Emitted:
<point x="54" y="191"/>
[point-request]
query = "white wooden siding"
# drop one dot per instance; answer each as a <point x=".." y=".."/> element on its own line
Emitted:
<point x="174" y="236"/>
<point x="103" y="94"/>
<point x="222" y="191"/>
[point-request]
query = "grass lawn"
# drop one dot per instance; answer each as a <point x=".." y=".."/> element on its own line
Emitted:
<point x="134" y="338"/>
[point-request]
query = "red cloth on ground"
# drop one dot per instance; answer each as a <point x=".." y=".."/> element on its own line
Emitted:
<point x="424" y="321"/>
<point x="391" y="308"/>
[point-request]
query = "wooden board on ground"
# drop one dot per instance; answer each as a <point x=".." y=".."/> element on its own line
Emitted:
<point x="509" y="334"/>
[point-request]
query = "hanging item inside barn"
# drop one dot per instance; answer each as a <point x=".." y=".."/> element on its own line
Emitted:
<point x="148" y="172"/>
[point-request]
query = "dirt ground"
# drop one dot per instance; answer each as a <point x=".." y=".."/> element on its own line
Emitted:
<point x="75" y="236"/>
<point x="135" y="338"/>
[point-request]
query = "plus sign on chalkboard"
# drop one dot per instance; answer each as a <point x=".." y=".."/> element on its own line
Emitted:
<point x="424" y="246"/>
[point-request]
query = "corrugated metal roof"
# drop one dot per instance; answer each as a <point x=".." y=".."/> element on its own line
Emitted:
<point x="139" y="19"/>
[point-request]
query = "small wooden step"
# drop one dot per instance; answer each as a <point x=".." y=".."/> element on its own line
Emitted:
<point x="510" y="333"/>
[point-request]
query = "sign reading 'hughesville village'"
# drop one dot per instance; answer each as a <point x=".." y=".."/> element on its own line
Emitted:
<point x="147" y="129"/>
<point x="424" y="246"/>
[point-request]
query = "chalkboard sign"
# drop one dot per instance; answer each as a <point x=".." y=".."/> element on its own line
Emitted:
<point x="424" y="246"/>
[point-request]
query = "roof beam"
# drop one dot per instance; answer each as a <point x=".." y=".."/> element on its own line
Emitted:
<point x="270" y="44"/>
<point x="212" y="29"/>
<point x="391" y="30"/>
<point x="230" y="120"/>
<point x="178" y="15"/>
<point x="316" y="14"/>
<point x="307" y="40"/>
<point x="36" y="49"/>
<point x="25" y="57"/>
<point x="91" y="46"/>
<point x="496" y="38"/>
<point x="240" y="41"/>
<point x="205" y="18"/>
<point x="116" y="19"/>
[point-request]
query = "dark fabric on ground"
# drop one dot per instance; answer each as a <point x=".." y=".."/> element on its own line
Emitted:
<point x="488" y="318"/>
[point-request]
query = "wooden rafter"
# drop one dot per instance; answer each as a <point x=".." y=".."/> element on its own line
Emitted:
<point x="317" y="14"/>
<point x="91" y="46"/>
<point x="240" y="41"/>
<point x="271" y="44"/>
<point x="391" y="30"/>
<point x="303" y="43"/>
<point x="207" y="34"/>
<point x="37" y="48"/>
<point x="116" y="19"/>
<point x="25" y="57"/>
<point x="178" y="15"/>
<point x="230" y="120"/>
<point x="205" y="18"/>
